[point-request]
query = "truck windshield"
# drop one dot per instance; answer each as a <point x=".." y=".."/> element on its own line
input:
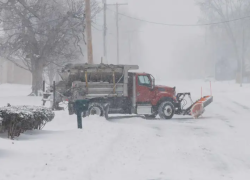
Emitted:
<point x="144" y="81"/>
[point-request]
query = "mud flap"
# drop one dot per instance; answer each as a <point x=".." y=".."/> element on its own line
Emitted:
<point x="106" y="111"/>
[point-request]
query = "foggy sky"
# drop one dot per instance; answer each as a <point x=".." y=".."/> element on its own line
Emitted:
<point x="166" y="52"/>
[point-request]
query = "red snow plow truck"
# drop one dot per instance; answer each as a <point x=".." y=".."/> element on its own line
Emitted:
<point x="106" y="89"/>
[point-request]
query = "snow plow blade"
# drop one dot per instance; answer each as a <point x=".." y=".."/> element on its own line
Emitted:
<point x="198" y="108"/>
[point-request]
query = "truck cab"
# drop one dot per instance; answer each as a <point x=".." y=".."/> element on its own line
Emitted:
<point x="148" y="96"/>
<point x="148" y="92"/>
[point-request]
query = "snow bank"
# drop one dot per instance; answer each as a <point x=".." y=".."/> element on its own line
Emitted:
<point x="214" y="147"/>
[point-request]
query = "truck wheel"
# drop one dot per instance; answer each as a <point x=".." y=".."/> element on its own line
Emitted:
<point x="166" y="110"/>
<point x="95" y="109"/>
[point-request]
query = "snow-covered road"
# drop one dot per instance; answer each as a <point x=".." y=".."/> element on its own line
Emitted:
<point x="215" y="147"/>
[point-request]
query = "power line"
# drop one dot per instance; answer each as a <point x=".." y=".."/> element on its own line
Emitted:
<point x="181" y="25"/>
<point x="31" y="25"/>
<point x="100" y="29"/>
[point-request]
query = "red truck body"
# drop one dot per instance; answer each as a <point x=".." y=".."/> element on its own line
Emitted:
<point x="150" y="93"/>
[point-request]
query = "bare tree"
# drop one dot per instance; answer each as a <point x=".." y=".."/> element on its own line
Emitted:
<point x="40" y="33"/>
<point x="238" y="31"/>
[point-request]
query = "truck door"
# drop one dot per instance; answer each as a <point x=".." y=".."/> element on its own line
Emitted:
<point x="143" y="89"/>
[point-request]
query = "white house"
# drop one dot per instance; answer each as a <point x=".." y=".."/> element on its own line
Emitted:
<point x="12" y="74"/>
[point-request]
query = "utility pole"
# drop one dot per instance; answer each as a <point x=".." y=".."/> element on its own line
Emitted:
<point x="117" y="33"/>
<point x="206" y="45"/>
<point x="89" y="33"/>
<point x="104" y="31"/>
<point x="129" y="46"/>
<point x="242" y="58"/>
<point x="117" y="28"/>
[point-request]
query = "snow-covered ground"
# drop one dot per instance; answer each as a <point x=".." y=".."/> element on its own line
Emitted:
<point x="214" y="147"/>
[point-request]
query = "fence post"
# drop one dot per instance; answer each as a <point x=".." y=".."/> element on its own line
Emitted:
<point x="54" y="95"/>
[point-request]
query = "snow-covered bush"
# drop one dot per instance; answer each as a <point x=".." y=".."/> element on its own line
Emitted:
<point x="17" y="119"/>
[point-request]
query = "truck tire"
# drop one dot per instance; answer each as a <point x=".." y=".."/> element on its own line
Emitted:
<point x="166" y="110"/>
<point x="95" y="109"/>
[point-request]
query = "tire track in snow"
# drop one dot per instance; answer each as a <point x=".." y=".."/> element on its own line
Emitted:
<point x="228" y="110"/>
<point x="223" y="161"/>
<point x="218" y="115"/>
<point x="244" y="107"/>
<point x="234" y="106"/>
<point x="126" y="151"/>
<point x="207" y="148"/>
<point x="106" y="162"/>
<point x="158" y="131"/>
<point x="197" y="134"/>
<point x="200" y="151"/>
<point x="108" y="149"/>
